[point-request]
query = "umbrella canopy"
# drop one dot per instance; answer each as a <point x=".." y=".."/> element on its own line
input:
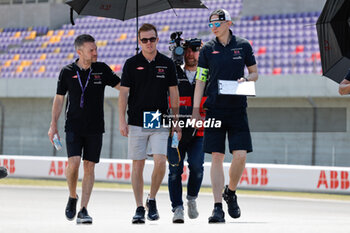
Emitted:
<point x="333" y="31"/>
<point x="128" y="9"/>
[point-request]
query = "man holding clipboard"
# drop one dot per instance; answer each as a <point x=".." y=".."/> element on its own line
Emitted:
<point x="221" y="64"/>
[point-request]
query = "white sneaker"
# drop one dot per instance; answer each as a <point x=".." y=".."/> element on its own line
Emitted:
<point x="179" y="216"/>
<point x="192" y="209"/>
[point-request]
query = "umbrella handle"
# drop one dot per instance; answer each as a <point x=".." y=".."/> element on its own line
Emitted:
<point x="71" y="16"/>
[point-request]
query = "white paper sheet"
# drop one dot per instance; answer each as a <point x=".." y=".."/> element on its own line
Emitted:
<point x="227" y="87"/>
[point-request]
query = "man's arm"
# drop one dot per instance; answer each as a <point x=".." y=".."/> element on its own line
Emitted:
<point x="201" y="79"/>
<point x="117" y="86"/>
<point x="123" y="101"/>
<point x="56" y="111"/>
<point x="198" y="94"/>
<point x="344" y="87"/>
<point x="253" y="74"/>
<point x="175" y="105"/>
<point x="197" y="98"/>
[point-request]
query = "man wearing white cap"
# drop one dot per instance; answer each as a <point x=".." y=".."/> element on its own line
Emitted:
<point x="224" y="59"/>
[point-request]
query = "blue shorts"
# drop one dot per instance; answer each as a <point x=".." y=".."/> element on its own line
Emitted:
<point x="234" y="123"/>
<point x="88" y="145"/>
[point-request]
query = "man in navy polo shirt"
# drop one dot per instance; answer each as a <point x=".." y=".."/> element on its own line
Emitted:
<point x="344" y="86"/>
<point x="84" y="80"/>
<point x="224" y="58"/>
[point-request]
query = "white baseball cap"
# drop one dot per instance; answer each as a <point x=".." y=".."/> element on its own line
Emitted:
<point x="223" y="15"/>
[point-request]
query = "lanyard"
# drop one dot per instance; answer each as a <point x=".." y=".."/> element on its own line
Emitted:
<point x="83" y="88"/>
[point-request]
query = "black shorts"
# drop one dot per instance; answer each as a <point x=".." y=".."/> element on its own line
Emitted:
<point x="88" y="145"/>
<point x="234" y="122"/>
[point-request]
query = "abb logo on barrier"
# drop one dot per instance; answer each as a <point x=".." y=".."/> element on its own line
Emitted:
<point x="9" y="164"/>
<point x="255" y="177"/>
<point x="119" y="171"/>
<point x="336" y="180"/>
<point x="58" y="168"/>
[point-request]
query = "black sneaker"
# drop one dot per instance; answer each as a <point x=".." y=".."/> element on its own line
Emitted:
<point x="139" y="217"/>
<point x="83" y="217"/>
<point x="218" y="216"/>
<point x="71" y="208"/>
<point x="232" y="205"/>
<point x="152" y="210"/>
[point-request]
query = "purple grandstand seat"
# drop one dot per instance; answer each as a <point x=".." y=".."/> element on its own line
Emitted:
<point x="286" y="70"/>
<point x="262" y="70"/>
<point x="309" y="69"/>
<point x="300" y="70"/>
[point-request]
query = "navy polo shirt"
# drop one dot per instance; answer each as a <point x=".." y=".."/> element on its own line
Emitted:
<point x="225" y="63"/>
<point x="149" y="84"/>
<point x="347" y="77"/>
<point x="90" y="118"/>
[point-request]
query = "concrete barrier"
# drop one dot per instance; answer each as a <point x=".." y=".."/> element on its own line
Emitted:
<point x="255" y="176"/>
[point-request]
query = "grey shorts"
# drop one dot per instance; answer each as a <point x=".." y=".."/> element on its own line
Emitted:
<point x="143" y="142"/>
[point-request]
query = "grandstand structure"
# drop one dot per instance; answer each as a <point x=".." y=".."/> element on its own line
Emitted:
<point x="290" y="91"/>
<point x="284" y="43"/>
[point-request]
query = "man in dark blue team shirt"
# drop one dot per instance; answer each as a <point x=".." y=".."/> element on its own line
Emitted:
<point x="223" y="60"/>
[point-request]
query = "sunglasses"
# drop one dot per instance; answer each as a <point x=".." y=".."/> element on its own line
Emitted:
<point x="145" y="40"/>
<point x="217" y="24"/>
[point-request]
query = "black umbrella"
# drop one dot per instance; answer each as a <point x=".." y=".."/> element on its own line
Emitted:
<point x="124" y="9"/>
<point x="333" y="31"/>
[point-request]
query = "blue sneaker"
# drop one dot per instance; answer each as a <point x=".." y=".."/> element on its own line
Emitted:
<point x="152" y="210"/>
<point x="139" y="217"/>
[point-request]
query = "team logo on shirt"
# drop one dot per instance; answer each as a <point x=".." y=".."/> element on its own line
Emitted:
<point x="215" y="52"/>
<point x="151" y="120"/>
<point x="97" y="78"/>
<point x="140" y="68"/>
<point x="161" y="71"/>
<point x="75" y="76"/>
<point x="237" y="53"/>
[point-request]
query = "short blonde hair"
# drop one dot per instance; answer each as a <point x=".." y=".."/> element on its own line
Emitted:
<point x="147" y="27"/>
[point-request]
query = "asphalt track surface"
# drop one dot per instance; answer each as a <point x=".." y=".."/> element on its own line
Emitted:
<point x="40" y="209"/>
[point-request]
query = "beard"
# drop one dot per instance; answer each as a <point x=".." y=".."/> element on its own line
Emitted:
<point x="191" y="62"/>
